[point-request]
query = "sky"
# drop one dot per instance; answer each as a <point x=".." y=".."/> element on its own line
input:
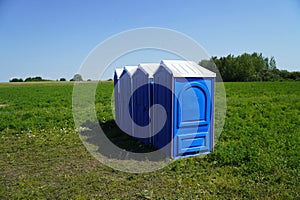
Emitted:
<point x="52" y="38"/>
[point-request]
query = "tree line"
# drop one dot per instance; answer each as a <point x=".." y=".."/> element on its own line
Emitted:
<point x="245" y="67"/>
<point x="76" y="77"/>
<point x="29" y="79"/>
<point x="248" y="67"/>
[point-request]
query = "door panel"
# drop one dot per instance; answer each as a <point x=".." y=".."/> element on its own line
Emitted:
<point x="193" y="109"/>
<point x="192" y="116"/>
<point x="194" y="142"/>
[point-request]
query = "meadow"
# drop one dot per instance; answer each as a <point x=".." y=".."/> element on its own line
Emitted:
<point x="42" y="157"/>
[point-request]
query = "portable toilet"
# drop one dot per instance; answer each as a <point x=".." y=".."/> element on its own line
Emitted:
<point x="125" y="94"/>
<point x="186" y="91"/>
<point x="117" y="74"/>
<point x="143" y="100"/>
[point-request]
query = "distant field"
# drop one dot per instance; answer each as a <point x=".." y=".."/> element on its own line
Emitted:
<point x="257" y="156"/>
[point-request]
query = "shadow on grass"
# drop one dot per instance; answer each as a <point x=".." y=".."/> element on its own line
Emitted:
<point x="91" y="134"/>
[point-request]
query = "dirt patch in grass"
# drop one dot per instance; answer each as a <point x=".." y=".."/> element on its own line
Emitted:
<point x="3" y="105"/>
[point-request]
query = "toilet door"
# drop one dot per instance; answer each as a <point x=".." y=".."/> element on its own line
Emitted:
<point x="192" y="115"/>
<point x="141" y="108"/>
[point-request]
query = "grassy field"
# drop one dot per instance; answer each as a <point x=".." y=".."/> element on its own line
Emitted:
<point x="42" y="156"/>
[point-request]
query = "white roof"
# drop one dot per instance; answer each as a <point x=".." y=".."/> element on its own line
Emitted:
<point x="118" y="72"/>
<point x="181" y="68"/>
<point x="130" y="69"/>
<point x="149" y="68"/>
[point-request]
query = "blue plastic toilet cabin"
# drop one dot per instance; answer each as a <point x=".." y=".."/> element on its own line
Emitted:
<point x="186" y="91"/>
<point x="117" y="74"/>
<point x="125" y="105"/>
<point x="142" y="82"/>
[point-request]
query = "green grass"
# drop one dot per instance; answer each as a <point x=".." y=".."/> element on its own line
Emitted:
<point x="41" y="155"/>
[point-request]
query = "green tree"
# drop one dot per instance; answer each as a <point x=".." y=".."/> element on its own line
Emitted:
<point x="248" y="67"/>
<point x="16" y="80"/>
<point x="272" y="63"/>
<point x="77" y="77"/>
<point x="295" y="76"/>
<point x="244" y="68"/>
<point x="34" y="79"/>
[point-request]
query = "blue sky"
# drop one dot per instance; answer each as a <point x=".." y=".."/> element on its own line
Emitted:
<point x="51" y="38"/>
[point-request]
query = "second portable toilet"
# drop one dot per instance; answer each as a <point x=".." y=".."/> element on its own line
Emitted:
<point x="142" y="82"/>
<point x="186" y="91"/>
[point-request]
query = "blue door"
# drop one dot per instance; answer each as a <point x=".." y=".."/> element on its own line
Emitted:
<point x="141" y="109"/>
<point x="192" y="116"/>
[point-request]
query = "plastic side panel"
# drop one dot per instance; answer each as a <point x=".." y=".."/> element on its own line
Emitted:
<point x="116" y="99"/>
<point x="115" y="79"/>
<point x="125" y="107"/>
<point x="141" y="107"/>
<point x="163" y="96"/>
<point x="151" y="96"/>
<point x="212" y="121"/>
